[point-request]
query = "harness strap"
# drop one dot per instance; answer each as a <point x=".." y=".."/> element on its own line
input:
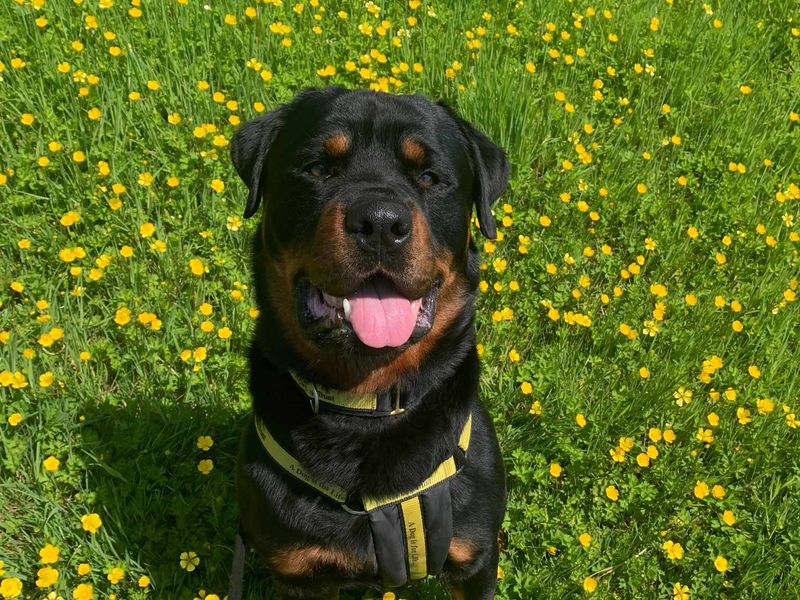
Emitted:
<point x="445" y="470"/>
<point x="292" y="466"/>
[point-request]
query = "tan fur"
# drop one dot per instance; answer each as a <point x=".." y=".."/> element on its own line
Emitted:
<point x="337" y="145"/>
<point x="413" y="151"/>
<point x="294" y="562"/>
<point x="461" y="550"/>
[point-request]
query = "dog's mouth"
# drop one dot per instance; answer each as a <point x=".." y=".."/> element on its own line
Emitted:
<point x="377" y="313"/>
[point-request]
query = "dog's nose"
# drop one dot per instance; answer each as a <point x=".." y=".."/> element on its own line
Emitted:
<point x="379" y="226"/>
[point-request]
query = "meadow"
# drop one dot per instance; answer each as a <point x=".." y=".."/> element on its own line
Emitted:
<point x="638" y="316"/>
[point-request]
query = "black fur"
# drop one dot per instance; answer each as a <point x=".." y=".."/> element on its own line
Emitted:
<point x="367" y="456"/>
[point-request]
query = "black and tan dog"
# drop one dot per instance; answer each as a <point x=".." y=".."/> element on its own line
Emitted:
<point x="369" y="460"/>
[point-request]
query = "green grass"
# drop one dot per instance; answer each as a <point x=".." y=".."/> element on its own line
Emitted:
<point x="123" y="423"/>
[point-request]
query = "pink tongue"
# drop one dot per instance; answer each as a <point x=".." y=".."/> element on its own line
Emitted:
<point x="382" y="317"/>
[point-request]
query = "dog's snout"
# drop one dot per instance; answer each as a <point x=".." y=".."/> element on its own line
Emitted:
<point x="379" y="226"/>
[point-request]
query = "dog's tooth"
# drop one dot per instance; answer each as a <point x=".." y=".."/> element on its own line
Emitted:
<point x="346" y="307"/>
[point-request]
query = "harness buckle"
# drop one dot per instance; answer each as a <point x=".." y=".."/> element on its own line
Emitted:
<point x="315" y="400"/>
<point x="397" y="408"/>
<point x="352" y="511"/>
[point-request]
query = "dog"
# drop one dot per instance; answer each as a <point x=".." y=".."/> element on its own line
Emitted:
<point x="369" y="459"/>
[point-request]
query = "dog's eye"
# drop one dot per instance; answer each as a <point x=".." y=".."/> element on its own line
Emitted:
<point x="317" y="169"/>
<point x="427" y="179"/>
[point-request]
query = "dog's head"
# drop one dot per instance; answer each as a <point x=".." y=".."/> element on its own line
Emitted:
<point x="365" y="228"/>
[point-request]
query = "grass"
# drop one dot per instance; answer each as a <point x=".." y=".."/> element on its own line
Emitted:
<point x="695" y="242"/>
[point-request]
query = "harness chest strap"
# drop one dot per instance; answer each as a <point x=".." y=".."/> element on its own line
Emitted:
<point x="411" y="530"/>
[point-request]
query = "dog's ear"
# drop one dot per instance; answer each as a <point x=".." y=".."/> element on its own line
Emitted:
<point x="249" y="150"/>
<point x="491" y="172"/>
<point x="490" y="168"/>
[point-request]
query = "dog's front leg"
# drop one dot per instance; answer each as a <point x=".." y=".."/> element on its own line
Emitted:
<point x="480" y="582"/>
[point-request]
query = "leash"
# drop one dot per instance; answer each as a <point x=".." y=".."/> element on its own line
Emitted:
<point x="237" y="569"/>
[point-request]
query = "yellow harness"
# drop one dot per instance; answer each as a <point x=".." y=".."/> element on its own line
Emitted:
<point x="412" y="529"/>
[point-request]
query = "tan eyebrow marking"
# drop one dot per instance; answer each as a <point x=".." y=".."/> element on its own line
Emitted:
<point x="337" y="145"/>
<point x="413" y="151"/>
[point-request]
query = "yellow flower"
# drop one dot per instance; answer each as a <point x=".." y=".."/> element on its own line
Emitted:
<point x="147" y="229"/>
<point x="84" y="569"/>
<point x="728" y="518"/>
<point x="701" y="490"/>
<point x="69" y="218"/>
<point x="197" y="267"/>
<point x="144" y="581"/>
<point x="84" y="591"/>
<point x="122" y="316"/>
<point x="743" y="415"/>
<point x="721" y="564"/>
<point x="765" y="406"/>
<point x="555" y="470"/>
<point x="46" y="576"/>
<point x="589" y="585"/>
<point x="49" y="554"/>
<point x="706" y="436"/>
<point x="204" y="442"/>
<point x="10" y="587"/>
<point x="680" y="592"/>
<point x="14" y="419"/>
<point x="51" y="463"/>
<point x="91" y="522"/>
<point x="115" y="574"/>
<point x="612" y="493"/>
<point x="674" y="550"/>
<point x="46" y="379"/>
<point x="224" y="333"/>
<point x="217" y="185"/>
<point x="189" y="560"/>
<point x="585" y="539"/>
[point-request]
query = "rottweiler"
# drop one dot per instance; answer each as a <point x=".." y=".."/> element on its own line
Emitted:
<point x="369" y="459"/>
